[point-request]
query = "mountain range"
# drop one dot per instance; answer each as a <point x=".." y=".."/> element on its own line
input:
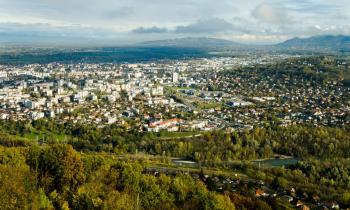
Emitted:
<point x="192" y="42"/>
<point x="324" y="43"/>
<point x="318" y="43"/>
<point x="168" y="49"/>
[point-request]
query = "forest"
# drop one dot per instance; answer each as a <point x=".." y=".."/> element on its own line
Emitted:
<point x="82" y="166"/>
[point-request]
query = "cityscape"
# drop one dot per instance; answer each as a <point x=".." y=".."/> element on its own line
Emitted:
<point x="134" y="105"/>
<point x="173" y="96"/>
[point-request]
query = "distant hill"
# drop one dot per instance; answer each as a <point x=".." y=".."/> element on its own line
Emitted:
<point x="325" y="43"/>
<point x="318" y="43"/>
<point x="192" y="42"/>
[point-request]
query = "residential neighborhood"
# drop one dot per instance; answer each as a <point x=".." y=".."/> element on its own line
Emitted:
<point x="185" y="95"/>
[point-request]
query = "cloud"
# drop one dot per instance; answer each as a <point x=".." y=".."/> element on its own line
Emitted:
<point x="206" y="26"/>
<point x="139" y="20"/>
<point x="154" y="29"/>
<point x="48" y="30"/>
<point x="271" y="14"/>
<point x="212" y="25"/>
<point x="311" y="6"/>
<point x="340" y="17"/>
<point x="122" y="12"/>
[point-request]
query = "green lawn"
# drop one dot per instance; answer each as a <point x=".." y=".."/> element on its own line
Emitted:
<point x="210" y="105"/>
<point x="46" y="135"/>
<point x="165" y="134"/>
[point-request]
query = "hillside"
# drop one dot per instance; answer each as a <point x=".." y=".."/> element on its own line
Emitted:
<point x="318" y="43"/>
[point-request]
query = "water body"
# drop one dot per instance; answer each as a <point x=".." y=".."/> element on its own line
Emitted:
<point x="277" y="162"/>
<point x="181" y="162"/>
<point x="103" y="55"/>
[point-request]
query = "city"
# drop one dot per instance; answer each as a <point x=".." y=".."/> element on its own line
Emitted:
<point x="174" y="105"/>
<point x="173" y="96"/>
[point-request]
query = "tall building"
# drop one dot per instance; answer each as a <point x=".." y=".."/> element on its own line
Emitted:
<point x="175" y="77"/>
<point x="23" y="85"/>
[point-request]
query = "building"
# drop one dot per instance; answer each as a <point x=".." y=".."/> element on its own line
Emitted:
<point x="30" y="104"/>
<point x="36" y="115"/>
<point x="157" y="91"/>
<point x="175" y="77"/>
<point x="164" y="125"/>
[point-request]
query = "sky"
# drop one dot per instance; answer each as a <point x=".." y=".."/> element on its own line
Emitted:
<point x="118" y="22"/>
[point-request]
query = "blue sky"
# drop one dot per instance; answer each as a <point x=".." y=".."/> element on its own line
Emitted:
<point x="128" y="21"/>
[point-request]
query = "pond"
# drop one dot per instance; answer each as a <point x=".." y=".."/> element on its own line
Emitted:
<point x="181" y="162"/>
<point x="277" y="162"/>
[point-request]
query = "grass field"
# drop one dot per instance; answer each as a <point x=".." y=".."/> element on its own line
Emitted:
<point x="210" y="105"/>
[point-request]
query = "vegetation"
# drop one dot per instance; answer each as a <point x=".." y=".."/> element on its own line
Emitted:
<point x="49" y="165"/>
<point x="303" y="141"/>
<point x="58" y="177"/>
<point x="48" y="172"/>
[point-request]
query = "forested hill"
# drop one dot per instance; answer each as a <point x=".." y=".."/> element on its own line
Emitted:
<point x="110" y="168"/>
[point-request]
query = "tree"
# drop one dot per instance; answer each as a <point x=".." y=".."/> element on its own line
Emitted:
<point x="16" y="188"/>
<point x="59" y="167"/>
<point x="345" y="199"/>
